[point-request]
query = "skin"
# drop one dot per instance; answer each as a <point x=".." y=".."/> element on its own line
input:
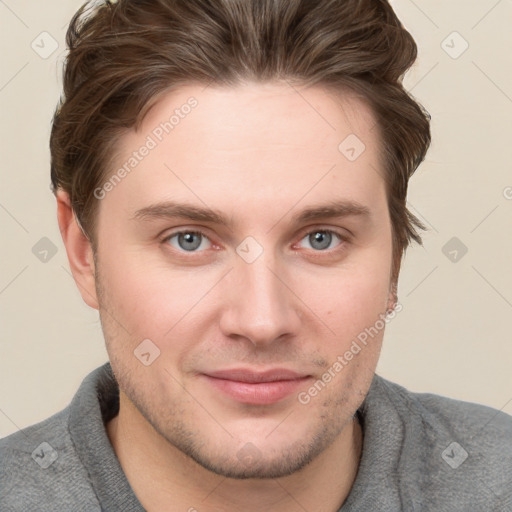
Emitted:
<point x="259" y="154"/>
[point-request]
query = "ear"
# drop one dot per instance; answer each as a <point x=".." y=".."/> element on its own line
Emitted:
<point x="393" y="281"/>
<point x="78" y="249"/>
<point x="392" y="297"/>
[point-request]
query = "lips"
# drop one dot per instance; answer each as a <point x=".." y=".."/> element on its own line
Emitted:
<point x="257" y="388"/>
<point x="246" y="375"/>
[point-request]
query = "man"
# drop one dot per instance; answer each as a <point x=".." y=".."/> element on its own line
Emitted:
<point x="231" y="179"/>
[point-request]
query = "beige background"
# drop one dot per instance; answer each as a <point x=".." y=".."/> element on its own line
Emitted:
<point x="453" y="335"/>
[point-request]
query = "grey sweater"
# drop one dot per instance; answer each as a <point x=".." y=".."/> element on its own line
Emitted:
<point x="421" y="452"/>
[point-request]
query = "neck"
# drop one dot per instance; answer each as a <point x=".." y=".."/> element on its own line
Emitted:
<point x="164" y="479"/>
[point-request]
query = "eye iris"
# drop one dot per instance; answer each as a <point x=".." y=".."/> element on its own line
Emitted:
<point x="186" y="241"/>
<point x="322" y="238"/>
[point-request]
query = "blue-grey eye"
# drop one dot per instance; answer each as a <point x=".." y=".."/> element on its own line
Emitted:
<point x="188" y="241"/>
<point x="321" y="240"/>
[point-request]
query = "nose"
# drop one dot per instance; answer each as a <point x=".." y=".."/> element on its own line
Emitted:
<point x="260" y="306"/>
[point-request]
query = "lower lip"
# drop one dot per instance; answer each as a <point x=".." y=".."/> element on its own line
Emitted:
<point x="260" y="393"/>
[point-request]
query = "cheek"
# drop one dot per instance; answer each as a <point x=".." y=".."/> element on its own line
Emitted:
<point x="150" y="301"/>
<point x="347" y="299"/>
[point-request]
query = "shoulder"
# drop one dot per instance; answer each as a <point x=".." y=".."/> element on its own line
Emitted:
<point x="450" y="449"/>
<point x="467" y="418"/>
<point x="40" y="470"/>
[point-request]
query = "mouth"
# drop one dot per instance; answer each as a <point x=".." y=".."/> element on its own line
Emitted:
<point x="257" y="388"/>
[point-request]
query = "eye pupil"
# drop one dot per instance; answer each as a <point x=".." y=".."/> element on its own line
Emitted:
<point x="320" y="240"/>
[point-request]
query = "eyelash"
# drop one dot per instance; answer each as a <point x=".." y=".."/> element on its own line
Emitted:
<point x="344" y="240"/>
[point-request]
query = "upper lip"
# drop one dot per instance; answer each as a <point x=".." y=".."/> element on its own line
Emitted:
<point x="253" y="376"/>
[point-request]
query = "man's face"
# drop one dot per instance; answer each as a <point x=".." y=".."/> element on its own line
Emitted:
<point x="227" y="303"/>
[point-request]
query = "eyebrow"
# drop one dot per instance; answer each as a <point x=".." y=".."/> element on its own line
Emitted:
<point x="171" y="209"/>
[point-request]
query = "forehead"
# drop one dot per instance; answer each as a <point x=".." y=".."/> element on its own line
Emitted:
<point x="261" y="117"/>
<point x="248" y="146"/>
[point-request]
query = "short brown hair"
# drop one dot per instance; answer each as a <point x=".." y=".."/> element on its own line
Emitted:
<point x="123" y="56"/>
